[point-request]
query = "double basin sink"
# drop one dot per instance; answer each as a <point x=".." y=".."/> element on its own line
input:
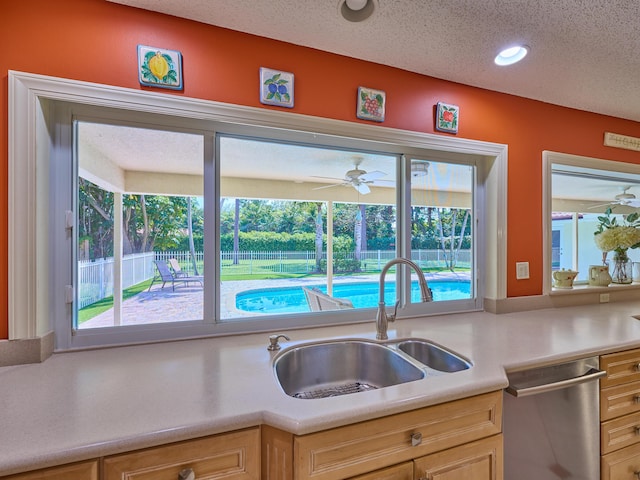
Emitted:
<point x="340" y="367"/>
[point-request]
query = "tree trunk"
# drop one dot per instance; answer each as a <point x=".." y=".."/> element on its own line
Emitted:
<point x="464" y="227"/>
<point x="319" y="233"/>
<point x="441" y="233"/>
<point x="363" y="241"/>
<point x="236" y="232"/>
<point x="357" y="233"/>
<point x="145" y="223"/>
<point x="452" y="242"/>
<point x="192" y="248"/>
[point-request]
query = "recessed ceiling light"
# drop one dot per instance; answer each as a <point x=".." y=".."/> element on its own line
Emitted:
<point x="356" y="10"/>
<point x="356" y="4"/>
<point x="511" y="55"/>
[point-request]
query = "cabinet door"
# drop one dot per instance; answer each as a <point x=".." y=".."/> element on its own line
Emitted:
<point x="404" y="471"/>
<point x="480" y="460"/>
<point x="77" y="471"/>
<point x="622" y="464"/>
<point x="228" y="456"/>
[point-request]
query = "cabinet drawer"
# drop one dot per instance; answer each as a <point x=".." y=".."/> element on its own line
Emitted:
<point x="621" y="464"/>
<point x="233" y="455"/>
<point x="620" y="400"/>
<point x="623" y="367"/>
<point x="355" y="449"/>
<point x="480" y="460"/>
<point x="620" y="432"/>
<point x="76" y="471"/>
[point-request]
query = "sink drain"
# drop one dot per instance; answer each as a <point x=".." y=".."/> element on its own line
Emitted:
<point x="335" y="391"/>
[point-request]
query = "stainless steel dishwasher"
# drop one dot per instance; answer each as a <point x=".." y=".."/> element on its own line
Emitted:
<point x="552" y="422"/>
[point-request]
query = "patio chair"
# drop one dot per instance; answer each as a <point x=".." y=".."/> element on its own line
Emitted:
<point x="175" y="266"/>
<point x="166" y="275"/>
<point x="319" y="301"/>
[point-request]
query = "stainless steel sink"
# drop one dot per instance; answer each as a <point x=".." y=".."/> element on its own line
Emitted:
<point x="341" y="367"/>
<point x="433" y="356"/>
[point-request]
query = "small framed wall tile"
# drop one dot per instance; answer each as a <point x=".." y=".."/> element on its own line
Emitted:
<point x="276" y="87"/>
<point x="371" y="104"/>
<point x="158" y="67"/>
<point x="447" y="117"/>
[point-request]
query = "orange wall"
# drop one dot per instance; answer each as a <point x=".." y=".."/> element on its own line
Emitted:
<point x="95" y="41"/>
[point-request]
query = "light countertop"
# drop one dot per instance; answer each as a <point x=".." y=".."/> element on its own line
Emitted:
<point x="82" y="405"/>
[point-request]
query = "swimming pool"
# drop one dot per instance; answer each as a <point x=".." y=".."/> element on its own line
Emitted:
<point x="361" y="294"/>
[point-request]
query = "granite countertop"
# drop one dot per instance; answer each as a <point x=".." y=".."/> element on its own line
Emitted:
<point x="82" y="405"/>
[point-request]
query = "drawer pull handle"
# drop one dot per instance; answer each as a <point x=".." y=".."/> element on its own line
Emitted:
<point x="187" y="474"/>
<point x="636" y="398"/>
<point x="637" y="430"/>
<point x="637" y="367"/>
<point x="637" y="474"/>
<point x="416" y="439"/>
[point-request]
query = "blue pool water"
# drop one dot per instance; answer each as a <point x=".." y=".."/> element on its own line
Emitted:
<point x="362" y="295"/>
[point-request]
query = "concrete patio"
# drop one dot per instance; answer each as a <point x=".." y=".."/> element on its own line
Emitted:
<point x="164" y="305"/>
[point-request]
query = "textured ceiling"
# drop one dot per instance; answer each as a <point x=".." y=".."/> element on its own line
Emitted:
<point x="584" y="54"/>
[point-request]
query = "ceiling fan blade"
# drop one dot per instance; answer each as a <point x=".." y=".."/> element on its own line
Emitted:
<point x="602" y="205"/>
<point x="327" y="186"/>
<point x="362" y="188"/>
<point x="371" y="176"/>
<point x="335" y="179"/>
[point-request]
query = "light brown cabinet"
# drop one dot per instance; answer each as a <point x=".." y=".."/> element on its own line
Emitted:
<point x="75" y="471"/>
<point x="404" y="471"/>
<point x="232" y="456"/>
<point x="620" y="415"/>
<point x="228" y="456"/>
<point x="454" y="440"/>
<point x="374" y="445"/>
<point x="479" y="460"/>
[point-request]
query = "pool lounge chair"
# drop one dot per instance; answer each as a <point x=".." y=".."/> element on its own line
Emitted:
<point x="319" y="301"/>
<point x="175" y="266"/>
<point x="166" y="275"/>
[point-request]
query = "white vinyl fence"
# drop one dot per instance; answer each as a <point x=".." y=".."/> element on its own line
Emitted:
<point x="96" y="276"/>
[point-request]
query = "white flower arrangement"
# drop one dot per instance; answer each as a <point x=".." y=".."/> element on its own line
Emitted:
<point x="617" y="238"/>
<point x="612" y="236"/>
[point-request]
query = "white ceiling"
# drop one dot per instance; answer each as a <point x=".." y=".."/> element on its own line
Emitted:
<point x="584" y="54"/>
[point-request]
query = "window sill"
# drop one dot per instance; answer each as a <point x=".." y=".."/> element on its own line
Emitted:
<point x="583" y="288"/>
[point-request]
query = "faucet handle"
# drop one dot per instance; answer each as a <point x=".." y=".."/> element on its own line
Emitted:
<point x="273" y="341"/>
<point x="392" y="317"/>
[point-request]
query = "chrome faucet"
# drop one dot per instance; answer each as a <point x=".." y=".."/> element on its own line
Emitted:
<point x="382" y="318"/>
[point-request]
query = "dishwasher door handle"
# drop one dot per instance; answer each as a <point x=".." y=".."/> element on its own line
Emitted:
<point x="592" y="374"/>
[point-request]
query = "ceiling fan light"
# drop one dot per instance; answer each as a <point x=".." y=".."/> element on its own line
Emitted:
<point x="419" y="169"/>
<point x="511" y="55"/>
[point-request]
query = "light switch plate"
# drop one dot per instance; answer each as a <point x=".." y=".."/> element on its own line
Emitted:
<point x="522" y="270"/>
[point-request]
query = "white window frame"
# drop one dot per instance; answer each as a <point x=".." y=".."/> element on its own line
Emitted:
<point x="30" y="140"/>
<point x="550" y="158"/>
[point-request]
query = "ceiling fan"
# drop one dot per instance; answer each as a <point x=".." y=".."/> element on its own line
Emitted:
<point x="356" y="178"/>
<point x="625" y="198"/>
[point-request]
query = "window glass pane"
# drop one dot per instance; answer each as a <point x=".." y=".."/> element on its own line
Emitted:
<point x="302" y="228"/>
<point x="139" y="255"/>
<point x="580" y="198"/>
<point x="442" y="228"/>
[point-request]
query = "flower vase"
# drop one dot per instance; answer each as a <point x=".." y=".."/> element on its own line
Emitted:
<point x="622" y="269"/>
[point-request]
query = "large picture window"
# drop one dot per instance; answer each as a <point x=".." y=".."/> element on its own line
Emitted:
<point x="298" y="229"/>
<point x="154" y="223"/>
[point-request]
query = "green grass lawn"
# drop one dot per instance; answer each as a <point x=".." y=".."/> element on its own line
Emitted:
<point x="105" y="304"/>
